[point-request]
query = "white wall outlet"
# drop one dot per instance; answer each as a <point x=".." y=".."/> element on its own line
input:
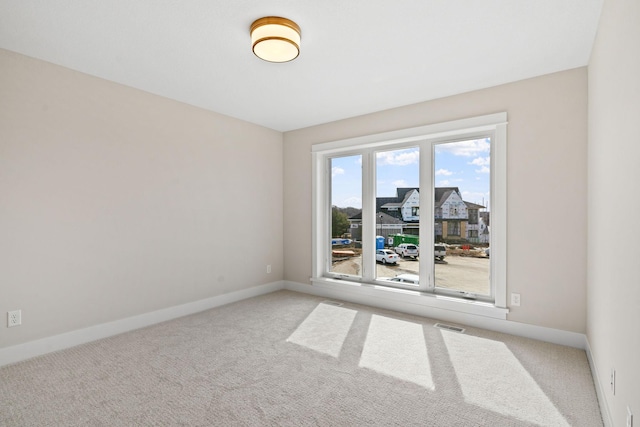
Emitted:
<point x="613" y="381"/>
<point x="629" y="417"/>
<point x="269" y="269"/>
<point x="515" y="299"/>
<point x="14" y="318"/>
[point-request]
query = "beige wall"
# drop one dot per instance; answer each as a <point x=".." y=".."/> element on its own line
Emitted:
<point x="547" y="146"/>
<point x="115" y="202"/>
<point x="614" y="152"/>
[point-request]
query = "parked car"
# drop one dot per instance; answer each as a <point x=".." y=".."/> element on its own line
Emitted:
<point x="387" y="256"/>
<point x="439" y="252"/>
<point x="412" y="279"/>
<point x="407" y="250"/>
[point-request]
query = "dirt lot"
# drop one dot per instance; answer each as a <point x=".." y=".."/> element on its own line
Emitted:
<point x="462" y="273"/>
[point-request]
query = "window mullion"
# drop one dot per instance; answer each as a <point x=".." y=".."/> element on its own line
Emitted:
<point x="427" y="280"/>
<point x="368" y="216"/>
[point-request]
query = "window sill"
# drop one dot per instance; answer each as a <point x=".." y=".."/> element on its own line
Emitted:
<point x="416" y="298"/>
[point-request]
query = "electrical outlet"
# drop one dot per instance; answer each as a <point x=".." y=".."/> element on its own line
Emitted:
<point x="629" y="417"/>
<point x="269" y="269"/>
<point x="14" y="318"/>
<point x="613" y="381"/>
<point x="515" y="300"/>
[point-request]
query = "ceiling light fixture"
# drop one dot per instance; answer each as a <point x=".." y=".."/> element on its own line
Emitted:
<point x="275" y="39"/>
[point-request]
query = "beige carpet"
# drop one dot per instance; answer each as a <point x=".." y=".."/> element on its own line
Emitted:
<point x="288" y="359"/>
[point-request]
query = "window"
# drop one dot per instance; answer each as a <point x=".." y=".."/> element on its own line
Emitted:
<point x="345" y="192"/>
<point x="453" y="172"/>
<point x="473" y="215"/>
<point x="397" y="177"/>
<point x="453" y="228"/>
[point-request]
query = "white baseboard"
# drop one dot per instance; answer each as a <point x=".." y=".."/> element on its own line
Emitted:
<point x="70" y="339"/>
<point x="377" y="298"/>
<point x="600" y="390"/>
<point x="388" y="300"/>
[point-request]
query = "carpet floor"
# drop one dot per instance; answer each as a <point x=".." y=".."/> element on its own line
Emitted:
<point x="289" y="359"/>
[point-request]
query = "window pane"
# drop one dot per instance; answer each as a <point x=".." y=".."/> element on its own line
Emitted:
<point x="346" y="215"/>
<point x="461" y="216"/>
<point x="398" y="216"/>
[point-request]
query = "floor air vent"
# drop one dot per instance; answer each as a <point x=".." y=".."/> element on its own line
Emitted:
<point x="335" y="303"/>
<point x="449" y="327"/>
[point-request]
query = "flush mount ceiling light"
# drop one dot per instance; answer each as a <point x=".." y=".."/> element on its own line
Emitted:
<point x="275" y="39"/>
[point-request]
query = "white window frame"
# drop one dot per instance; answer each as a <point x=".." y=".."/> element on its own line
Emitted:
<point x="493" y="124"/>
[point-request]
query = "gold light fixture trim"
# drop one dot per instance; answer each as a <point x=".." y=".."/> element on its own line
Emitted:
<point x="275" y="39"/>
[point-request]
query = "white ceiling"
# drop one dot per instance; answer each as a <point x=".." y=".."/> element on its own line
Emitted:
<point x="357" y="57"/>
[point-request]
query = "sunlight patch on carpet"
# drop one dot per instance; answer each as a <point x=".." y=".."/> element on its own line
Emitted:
<point x="325" y="329"/>
<point x="491" y="377"/>
<point x="397" y="348"/>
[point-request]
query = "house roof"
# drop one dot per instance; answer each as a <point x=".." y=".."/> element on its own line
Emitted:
<point x="474" y="205"/>
<point x="403" y="193"/>
<point x="382" y="201"/>
<point x="381" y="218"/>
<point x="443" y="193"/>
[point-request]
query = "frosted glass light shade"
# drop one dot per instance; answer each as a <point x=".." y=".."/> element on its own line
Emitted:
<point x="275" y="39"/>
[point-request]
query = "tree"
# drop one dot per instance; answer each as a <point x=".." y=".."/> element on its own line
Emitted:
<point x="339" y="222"/>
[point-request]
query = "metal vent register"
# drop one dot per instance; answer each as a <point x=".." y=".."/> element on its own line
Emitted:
<point x="449" y="327"/>
<point x="336" y="303"/>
